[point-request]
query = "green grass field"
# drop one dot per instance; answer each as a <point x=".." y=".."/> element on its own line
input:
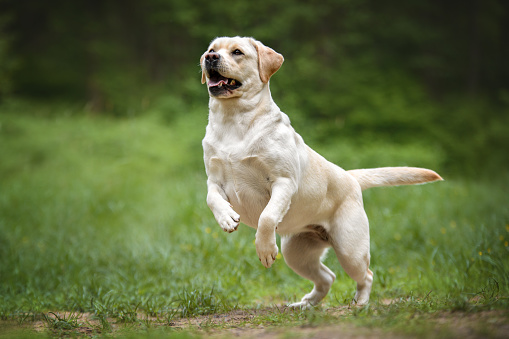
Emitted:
<point x="108" y="217"/>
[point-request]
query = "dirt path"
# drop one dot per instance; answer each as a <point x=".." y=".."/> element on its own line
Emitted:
<point x="274" y="322"/>
<point x="242" y="323"/>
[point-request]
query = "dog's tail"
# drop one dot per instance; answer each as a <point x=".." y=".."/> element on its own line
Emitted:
<point x="393" y="176"/>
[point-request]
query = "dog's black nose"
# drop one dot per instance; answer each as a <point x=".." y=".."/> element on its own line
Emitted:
<point x="212" y="56"/>
<point x="211" y="60"/>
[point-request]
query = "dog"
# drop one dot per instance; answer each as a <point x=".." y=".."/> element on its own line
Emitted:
<point x="260" y="172"/>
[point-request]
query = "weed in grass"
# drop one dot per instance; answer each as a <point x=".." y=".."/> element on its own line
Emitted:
<point x="152" y="306"/>
<point x="489" y="293"/>
<point x="23" y="317"/>
<point x="128" y="313"/>
<point x="103" y="308"/>
<point x="105" y="326"/>
<point x="169" y="315"/>
<point x="64" y="322"/>
<point x="197" y="302"/>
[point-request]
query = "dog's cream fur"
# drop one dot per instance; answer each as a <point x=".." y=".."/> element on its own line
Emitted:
<point x="262" y="173"/>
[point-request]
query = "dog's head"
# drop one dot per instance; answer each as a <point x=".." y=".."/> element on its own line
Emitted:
<point x="234" y="66"/>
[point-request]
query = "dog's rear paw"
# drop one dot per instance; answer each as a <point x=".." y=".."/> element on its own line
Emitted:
<point x="361" y="301"/>
<point x="310" y="300"/>
<point x="303" y="305"/>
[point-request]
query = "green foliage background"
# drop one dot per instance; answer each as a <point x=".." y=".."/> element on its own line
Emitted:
<point x="102" y="187"/>
<point x="399" y="72"/>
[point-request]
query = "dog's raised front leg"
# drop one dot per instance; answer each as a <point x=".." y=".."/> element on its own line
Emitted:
<point x="279" y="203"/>
<point x="218" y="203"/>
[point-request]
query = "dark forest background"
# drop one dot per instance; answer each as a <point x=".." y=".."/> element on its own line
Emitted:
<point x="398" y="72"/>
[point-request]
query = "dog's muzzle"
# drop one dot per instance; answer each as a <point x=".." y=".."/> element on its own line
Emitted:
<point x="218" y="84"/>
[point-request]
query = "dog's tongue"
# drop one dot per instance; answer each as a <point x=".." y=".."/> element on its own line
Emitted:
<point x="217" y="79"/>
<point x="216" y="82"/>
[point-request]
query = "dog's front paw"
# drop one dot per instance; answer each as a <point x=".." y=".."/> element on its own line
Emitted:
<point x="228" y="219"/>
<point x="267" y="252"/>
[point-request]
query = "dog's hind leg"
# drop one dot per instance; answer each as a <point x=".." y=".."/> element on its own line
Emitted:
<point x="349" y="237"/>
<point x="302" y="253"/>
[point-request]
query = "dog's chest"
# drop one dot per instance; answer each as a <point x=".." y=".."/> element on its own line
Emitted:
<point x="244" y="174"/>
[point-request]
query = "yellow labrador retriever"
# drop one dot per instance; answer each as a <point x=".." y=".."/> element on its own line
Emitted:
<point x="262" y="173"/>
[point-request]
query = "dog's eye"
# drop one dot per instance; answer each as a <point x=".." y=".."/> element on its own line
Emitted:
<point x="237" y="52"/>
<point x="211" y="50"/>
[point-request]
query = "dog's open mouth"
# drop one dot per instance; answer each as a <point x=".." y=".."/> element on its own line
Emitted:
<point x="219" y="84"/>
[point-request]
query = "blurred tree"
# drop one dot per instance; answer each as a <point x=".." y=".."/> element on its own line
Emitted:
<point x="64" y="45"/>
<point x="7" y="61"/>
<point x="400" y="70"/>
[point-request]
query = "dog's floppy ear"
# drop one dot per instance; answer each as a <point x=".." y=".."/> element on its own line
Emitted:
<point x="203" y="78"/>
<point x="269" y="61"/>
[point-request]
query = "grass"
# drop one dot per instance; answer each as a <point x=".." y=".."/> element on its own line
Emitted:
<point x="107" y="217"/>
